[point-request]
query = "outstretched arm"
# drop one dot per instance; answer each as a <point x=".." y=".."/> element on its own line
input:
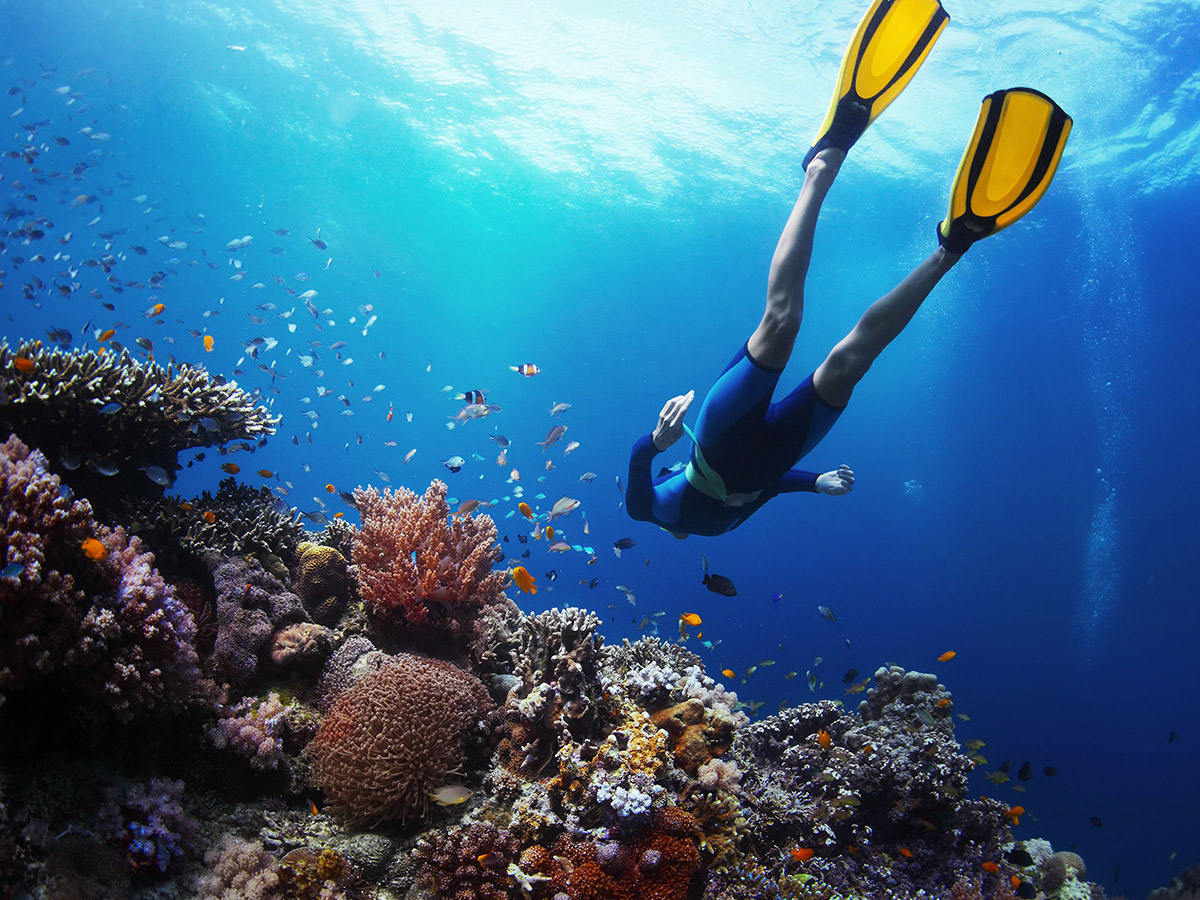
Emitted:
<point x="836" y="483"/>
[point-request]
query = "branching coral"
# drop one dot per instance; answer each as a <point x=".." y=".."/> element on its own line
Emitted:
<point x="239" y="870"/>
<point x="147" y="823"/>
<point x="467" y="862"/>
<point x="413" y="562"/>
<point x="253" y="730"/>
<point x="238" y="520"/>
<point x="395" y="735"/>
<point x="104" y="413"/>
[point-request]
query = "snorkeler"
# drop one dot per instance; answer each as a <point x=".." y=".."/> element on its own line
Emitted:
<point x="744" y="446"/>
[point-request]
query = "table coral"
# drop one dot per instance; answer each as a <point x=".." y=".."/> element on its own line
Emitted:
<point x="63" y="405"/>
<point x="393" y="736"/>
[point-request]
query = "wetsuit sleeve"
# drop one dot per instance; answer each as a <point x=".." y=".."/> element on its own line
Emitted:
<point x="639" y="489"/>
<point x="797" y="480"/>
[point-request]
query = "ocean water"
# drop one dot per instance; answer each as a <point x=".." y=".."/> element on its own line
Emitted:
<point x="598" y="191"/>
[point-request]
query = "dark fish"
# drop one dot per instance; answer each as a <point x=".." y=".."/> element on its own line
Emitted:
<point x="849" y="676"/>
<point x="524" y="539"/>
<point x="623" y="544"/>
<point x="592" y="584"/>
<point x="1116" y="874"/>
<point x="318" y="243"/>
<point x="282" y="232"/>
<point x="1005" y="766"/>
<point x="1019" y="856"/>
<point x="719" y="584"/>
<point x="1026" y="890"/>
<point x="552" y="575"/>
<point x="1097" y="821"/>
<point x="525" y="555"/>
<point x="1171" y="738"/>
<point x="1025" y="772"/>
<point x="1049" y="771"/>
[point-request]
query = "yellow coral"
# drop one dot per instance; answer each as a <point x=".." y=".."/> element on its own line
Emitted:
<point x="322" y="580"/>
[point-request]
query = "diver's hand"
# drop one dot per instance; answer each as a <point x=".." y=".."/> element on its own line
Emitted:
<point x="836" y="483"/>
<point x="670" y="421"/>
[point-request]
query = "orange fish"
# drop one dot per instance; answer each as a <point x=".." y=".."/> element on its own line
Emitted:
<point x="390" y="413"/>
<point x="1016" y="881"/>
<point x="522" y="579"/>
<point x="525" y="510"/>
<point x="990" y="866"/>
<point x="905" y="852"/>
<point x="155" y="310"/>
<point x="943" y="703"/>
<point x="330" y="488"/>
<point x="549" y="532"/>
<point x="266" y="473"/>
<point x="93" y="549"/>
<point x="728" y="673"/>
<point x="106" y="334"/>
<point x="947" y="656"/>
<point x="491" y="860"/>
<point x="338" y="514"/>
<point x="526" y="369"/>
<point x="312" y="808"/>
<point x="231" y="468"/>
<point x="1015" y="813"/>
<point x="802" y="854"/>
<point x="210" y="516"/>
<point x="185" y="506"/>
<point x="824" y="739"/>
<point x="208" y="343"/>
<point x="690" y="618"/>
<point x="23" y="364"/>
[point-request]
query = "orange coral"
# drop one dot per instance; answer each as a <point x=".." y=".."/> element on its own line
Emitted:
<point x="410" y="557"/>
<point x="697" y="733"/>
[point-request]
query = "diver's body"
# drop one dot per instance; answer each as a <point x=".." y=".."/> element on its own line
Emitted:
<point x="744" y="446"/>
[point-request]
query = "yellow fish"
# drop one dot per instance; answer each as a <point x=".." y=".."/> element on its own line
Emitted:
<point x="690" y="618"/>
<point x="523" y="580"/>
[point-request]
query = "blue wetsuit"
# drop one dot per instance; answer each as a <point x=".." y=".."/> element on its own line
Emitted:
<point x="749" y="443"/>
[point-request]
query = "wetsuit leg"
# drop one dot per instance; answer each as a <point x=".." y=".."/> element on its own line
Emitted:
<point x="741" y="394"/>
<point x="799" y="421"/>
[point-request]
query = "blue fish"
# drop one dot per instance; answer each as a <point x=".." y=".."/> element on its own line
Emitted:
<point x="12" y="570"/>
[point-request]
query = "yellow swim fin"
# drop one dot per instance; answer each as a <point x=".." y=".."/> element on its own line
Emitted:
<point x="891" y="42"/>
<point x="1013" y="155"/>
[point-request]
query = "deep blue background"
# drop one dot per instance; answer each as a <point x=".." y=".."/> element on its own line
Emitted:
<point x="1054" y="369"/>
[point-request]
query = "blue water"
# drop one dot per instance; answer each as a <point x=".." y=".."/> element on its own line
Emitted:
<point x="599" y="193"/>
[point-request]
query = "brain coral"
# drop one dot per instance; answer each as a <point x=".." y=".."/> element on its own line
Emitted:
<point x="393" y="736"/>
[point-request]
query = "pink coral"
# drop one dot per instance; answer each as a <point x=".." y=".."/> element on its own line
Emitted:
<point x="394" y="736"/>
<point x="112" y="625"/>
<point x="253" y="730"/>
<point x="239" y="870"/>
<point x="299" y="643"/>
<point x="411" y="557"/>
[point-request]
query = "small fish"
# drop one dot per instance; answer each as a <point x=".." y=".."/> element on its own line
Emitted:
<point x="409" y="455"/>
<point x="525" y="510"/>
<point x="492" y="860"/>
<point x="105" y="466"/>
<point x="690" y="618"/>
<point x="905" y="852"/>
<point x="526" y="369"/>
<point x="564" y="506"/>
<point x="811" y="677"/>
<point x="926" y="717"/>
<point x="571" y="446"/>
<point x="155" y="310"/>
<point x="454" y="463"/>
<point x="106" y="334"/>
<point x="231" y="467"/>
<point x="1097" y="821"/>
<point x="110" y="408"/>
<point x="559" y="547"/>
<point x="1171" y="738"/>
<point x="208" y="343"/>
<point x="849" y="676"/>
<point x="587" y="477"/>
<point x="265" y="473"/>
<point x="990" y="866"/>
<point x="728" y="673"/>
<point x="451" y="795"/>
<point x="790" y="675"/>
<point x="947" y="656"/>
<point x="824" y="739"/>
<point x="467" y="507"/>
<point x="775" y="598"/>
<point x="12" y="570"/>
<point x="827" y="613"/>
<point x="93" y="549"/>
<point x="1049" y="771"/>
<point x="997" y="777"/>
<point x="23" y="364"/>
<point x="158" y="475"/>
<point x="859" y="686"/>
<point x="552" y="436"/>
<point x="802" y="854"/>
<point x="473" y="398"/>
<point x="1014" y="813"/>
<point x="523" y="580"/>
<point x="210" y="516"/>
<point x="1025" y="772"/>
<point x="622" y="544"/>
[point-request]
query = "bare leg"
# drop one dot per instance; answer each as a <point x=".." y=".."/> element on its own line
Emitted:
<point x="771" y="344"/>
<point x="884" y="319"/>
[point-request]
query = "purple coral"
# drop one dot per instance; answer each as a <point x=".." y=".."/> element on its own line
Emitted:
<point x="253" y="731"/>
<point x="148" y="824"/>
<point x="252" y="605"/>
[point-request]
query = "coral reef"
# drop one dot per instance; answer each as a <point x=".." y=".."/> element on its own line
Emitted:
<point x="395" y="735"/>
<point x="300" y="643"/>
<point x="107" y="417"/>
<point x="420" y="572"/>
<point x="467" y="862"/>
<point x="253" y="730"/>
<point x="147" y="823"/>
<point x="239" y="870"/>
<point x="322" y="581"/>
<point x="238" y="520"/>
<point x="252" y="605"/>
